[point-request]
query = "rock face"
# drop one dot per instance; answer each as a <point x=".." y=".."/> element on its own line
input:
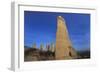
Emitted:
<point x="64" y="49"/>
<point x="35" y="54"/>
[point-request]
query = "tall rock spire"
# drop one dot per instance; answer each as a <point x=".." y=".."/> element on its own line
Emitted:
<point x="64" y="49"/>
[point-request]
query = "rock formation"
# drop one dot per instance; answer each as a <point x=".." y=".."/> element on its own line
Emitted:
<point x="64" y="48"/>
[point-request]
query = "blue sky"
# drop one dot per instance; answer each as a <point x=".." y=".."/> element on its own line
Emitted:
<point x="40" y="27"/>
